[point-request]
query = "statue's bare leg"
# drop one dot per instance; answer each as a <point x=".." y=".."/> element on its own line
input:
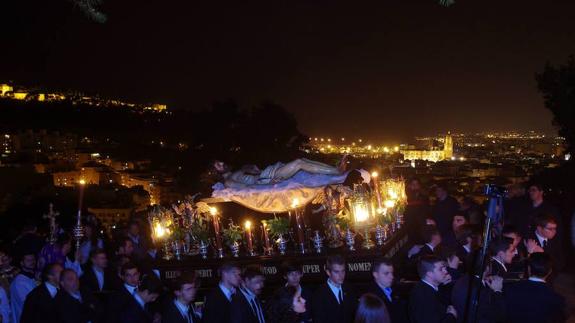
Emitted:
<point x="291" y="168"/>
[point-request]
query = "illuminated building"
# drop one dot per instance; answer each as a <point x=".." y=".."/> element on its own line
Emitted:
<point x="148" y="184"/>
<point x="5" y="88"/>
<point x="20" y="95"/>
<point x="433" y="155"/>
<point x="70" y="179"/>
<point x="109" y="218"/>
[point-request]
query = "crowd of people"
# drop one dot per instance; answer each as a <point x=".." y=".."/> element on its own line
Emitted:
<point x="433" y="280"/>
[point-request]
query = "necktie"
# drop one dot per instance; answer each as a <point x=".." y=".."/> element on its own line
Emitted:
<point x="340" y="296"/>
<point x="544" y="244"/>
<point x="388" y="293"/>
<point x="257" y="311"/>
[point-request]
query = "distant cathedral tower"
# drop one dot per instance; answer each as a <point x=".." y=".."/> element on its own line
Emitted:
<point x="448" y="146"/>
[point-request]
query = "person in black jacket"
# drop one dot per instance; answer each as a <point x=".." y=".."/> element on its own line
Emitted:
<point x="443" y="212"/>
<point x="544" y="239"/>
<point x="136" y="309"/>
<point x="39" y="305"/>
<point x="71" y="305"/>
<point x="180" y="309"/>
<point x="334" y="301"/>
<point x="425" y="303"/>
<point x="120" y="299"/>
<point x="96" y="277"/>
<point x="502" y="253"/>
<point x="382" y="287"/>
<point x="491" y="304"/>
<point x="246" y="306"/>
<point x="293" y="275"/>
<point x="217" y="304"/>
<point x="532" y="300"/>
<point x="468" y="243"/>
<point x="537" y="206"/>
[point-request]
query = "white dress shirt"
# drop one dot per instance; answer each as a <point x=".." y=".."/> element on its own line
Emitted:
<point x="53" y="290"/>
<point x="335" y="290"/>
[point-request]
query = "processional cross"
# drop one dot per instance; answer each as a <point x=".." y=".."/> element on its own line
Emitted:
<point x="52" y="217"/>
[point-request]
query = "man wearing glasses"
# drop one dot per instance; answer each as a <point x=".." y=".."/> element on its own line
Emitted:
<point x="544" y="239"/>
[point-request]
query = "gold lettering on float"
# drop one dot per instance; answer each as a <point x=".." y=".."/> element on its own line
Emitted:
<point x="359" y="266"/>
<point x="173" y="274"/>
<point x="269" y="270"/>
<point x="311" y="269"/>
<point x="204" y="273"/>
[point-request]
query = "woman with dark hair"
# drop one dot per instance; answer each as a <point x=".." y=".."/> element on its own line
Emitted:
<point x="285" y="306"/>
<point x="371" y="309"/>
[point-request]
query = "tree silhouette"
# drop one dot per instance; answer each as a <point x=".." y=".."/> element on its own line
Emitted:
<point x="557" y="85"/>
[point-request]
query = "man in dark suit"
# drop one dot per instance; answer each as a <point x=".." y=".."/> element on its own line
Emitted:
<point x="40" y="303"/>
<point x="544" y="239"/>
<point x="416" y="210"/>
<point x="136" y="310"/>
<point x="537" y="206"/>
<point x="532" y="300"/>
<point x="98" y="283"/>
<point x="382" y="286"/>
<point x="334" y="302"/>
<point x="468" y="242"/>
<point x="518" y="266"/>
<point x="71" y="305"/>
<point x="425" y="303"/>
<point x="502" y="253"/>
<point x="118" y="300"/>
<point x="443" y="212"/>
<point x="293" y="275"/>
<point x="96" y="278"/>
<point x="246" y="306"/>
<point x="491" y="303"/>
<point x="180" y="309"/>
<point x="218" y="302"/>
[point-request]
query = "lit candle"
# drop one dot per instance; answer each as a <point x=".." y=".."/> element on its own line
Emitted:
<point x="248" y="226"/>
<point x="266" y="237"/>
<point x="300" y="224"/>
<point x="214" y="213"/>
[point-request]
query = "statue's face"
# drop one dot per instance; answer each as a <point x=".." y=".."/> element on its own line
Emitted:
<point x="220" y="166"/>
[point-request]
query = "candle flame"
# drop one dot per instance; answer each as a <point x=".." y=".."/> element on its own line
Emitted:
<point x="389" y="203"/>
<point x="159" y="230"/>
<point x="213" y="211"/>
<point x="248" y="225"/>
<point x="295" y="203"/>
<point x="82" y="182"/>
<point x="374" y="174"/>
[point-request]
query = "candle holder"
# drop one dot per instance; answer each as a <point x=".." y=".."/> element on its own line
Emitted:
<point x="235" y="248"/>
<point x="317" y="242"/>
<point x="367" y="242"/>
<point x="78" y="230"/>
<point x="282" y="244"/>
<point x="177" y="247"/>
<point x="380" y="235"/>
<point x="350" y="240"/>
<point x="167" y="252"/>
<point x="203" y="249"/>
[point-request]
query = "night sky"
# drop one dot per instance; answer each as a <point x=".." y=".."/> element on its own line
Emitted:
<point x="384" y="70"/>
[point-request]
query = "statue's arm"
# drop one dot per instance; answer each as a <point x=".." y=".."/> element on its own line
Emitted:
<point x="233" y="184"/>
